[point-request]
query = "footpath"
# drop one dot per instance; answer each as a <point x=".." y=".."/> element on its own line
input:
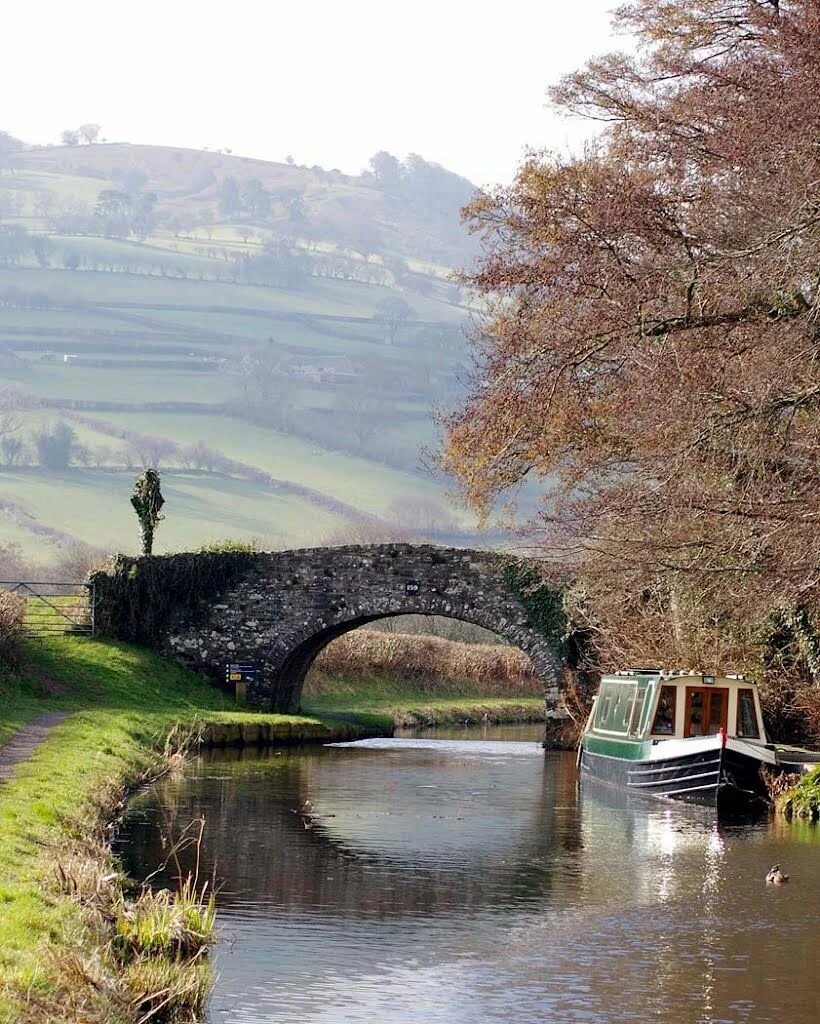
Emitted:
<point x="24" y="742"/>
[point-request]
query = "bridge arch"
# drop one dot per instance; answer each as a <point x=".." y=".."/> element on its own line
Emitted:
<point x="280" y="609"/>
<point x="291" y="668"/>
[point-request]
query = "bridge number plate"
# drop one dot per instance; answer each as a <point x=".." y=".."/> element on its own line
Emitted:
<point x="412" y="587"/>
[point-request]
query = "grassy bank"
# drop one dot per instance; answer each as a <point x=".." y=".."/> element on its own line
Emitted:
<point x="75" y="944"/>
<point x="65" y="920"/>
<point x="393" y="701"/>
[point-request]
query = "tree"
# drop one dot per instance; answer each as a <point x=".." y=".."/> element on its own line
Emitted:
<point x="55" y="446"/>
<point x="8" y="143"/>
<point x="229" y="202"/>
<point x="15" y="241"/>
<point x="149" y="451"/>
<point x="89" y="133"/>
<point x="70" y="137"/>
<point x="10" y="444"/>
<point x="395" y="312"/>
<point x="255" y="199"/>
<point x="147" y="501"/>
<point x="12" y="449"/>
<point x="113" y="202"/>
<point x="9" y="147"/>
<point x="651" y="351"/>
<point x="259" y="367"/>
<point x="41" y="247"/>
<point x="387" y="171"/>
<point x="143" y="219"/>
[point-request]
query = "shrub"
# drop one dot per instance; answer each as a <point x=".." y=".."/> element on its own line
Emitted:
<point x="804" y="800"/>
<point x="217" y="547"/>
<point x="56" y="447"/>
<point x="12" y="610"/>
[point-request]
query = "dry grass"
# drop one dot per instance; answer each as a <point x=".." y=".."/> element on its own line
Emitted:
<point x="426" y="660"/>
<point x="126" y="957"/>
<point x="12" y="610"/>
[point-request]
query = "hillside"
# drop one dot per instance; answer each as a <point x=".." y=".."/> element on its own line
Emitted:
<point x="273" y="337"/>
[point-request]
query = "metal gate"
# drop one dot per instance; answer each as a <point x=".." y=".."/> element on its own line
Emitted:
<point x="53" y="609"/>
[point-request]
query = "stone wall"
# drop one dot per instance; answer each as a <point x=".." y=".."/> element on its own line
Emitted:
<point x="280" y="609"/>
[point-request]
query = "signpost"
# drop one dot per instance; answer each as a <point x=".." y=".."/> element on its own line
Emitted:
<point x="239" y="674"/>
<point x="412" y="587"/>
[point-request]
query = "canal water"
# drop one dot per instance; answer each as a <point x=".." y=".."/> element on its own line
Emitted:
<point x="465" y="878"/>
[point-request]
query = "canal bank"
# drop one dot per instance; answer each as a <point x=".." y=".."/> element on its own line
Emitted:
<point x="130" y="716"/>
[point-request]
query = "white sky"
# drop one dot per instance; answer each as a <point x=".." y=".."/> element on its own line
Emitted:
<point x="461" y="82"/>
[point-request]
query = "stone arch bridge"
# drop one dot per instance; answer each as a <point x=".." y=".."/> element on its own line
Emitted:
<point x="278" y="610"/>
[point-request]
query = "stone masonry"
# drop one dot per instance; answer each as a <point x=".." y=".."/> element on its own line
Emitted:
<point x="286" y="606"/>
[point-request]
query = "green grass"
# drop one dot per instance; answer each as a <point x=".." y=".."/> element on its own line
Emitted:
<point x="111" y="384"/>
<point x="123" y="702"/>
<point x="36" y="319"/>
<point x="94" y="507"/>
<point x="30" y="421"/>
<point x="70" y="187"/>
<point x="319" y="295"/>
<point x="367" y="485"/>
<point x="378" y="700"/>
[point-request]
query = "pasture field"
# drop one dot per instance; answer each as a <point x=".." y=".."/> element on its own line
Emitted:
<point x="237" y="328"/>
<point x="111" y="384"/>
<point x="143" y="291"/>
<point x="367" y="485"/>
<point x="147" y="302"/>
<point x="31" y="421"/>
<point x="93" y="508"/>
<point x="36" y="320"/>
<point x="27" y="186"/>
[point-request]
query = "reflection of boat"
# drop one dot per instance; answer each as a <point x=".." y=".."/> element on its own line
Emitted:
<point x="681" y="736"/>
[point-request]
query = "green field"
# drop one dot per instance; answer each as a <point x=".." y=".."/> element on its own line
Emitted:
<point x="164" y="317"/>
<point x="94" y="509"/>
<point x="286" y="457"/>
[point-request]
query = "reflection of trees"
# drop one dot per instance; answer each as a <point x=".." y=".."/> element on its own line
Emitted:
<point x="263" y="852"/>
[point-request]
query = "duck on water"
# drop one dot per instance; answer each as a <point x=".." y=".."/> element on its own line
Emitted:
<point x="684" y="736"/>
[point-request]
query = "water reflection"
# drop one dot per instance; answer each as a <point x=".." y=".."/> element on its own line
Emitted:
<point x="462" y="882"/>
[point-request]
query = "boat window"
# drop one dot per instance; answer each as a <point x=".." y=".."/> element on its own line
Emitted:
<point x="636" y="720"/>
<point x="614" y="706"/>
<point x="695" y="716"/>
<point x="746" y="715"/>
<point x="706" y="710"/>
<point x="646" y="694"/>
<point x="664" y="724"/>
<point x="602" y="710"/>
<point x="718" y="706"/>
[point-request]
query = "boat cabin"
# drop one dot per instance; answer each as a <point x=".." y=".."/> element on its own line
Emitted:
<point x="652" y="705"/>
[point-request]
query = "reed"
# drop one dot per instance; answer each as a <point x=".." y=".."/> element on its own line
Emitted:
<point x="133" y="958"/>
<point x="430" y="662"/>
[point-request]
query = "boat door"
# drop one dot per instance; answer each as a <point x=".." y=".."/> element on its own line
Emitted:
<point x="707" y="710"/>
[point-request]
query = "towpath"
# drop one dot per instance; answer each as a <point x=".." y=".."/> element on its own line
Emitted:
<point x="24" y="742"/>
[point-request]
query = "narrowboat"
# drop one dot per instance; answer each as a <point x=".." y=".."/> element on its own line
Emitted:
<point x="679" y="736"/>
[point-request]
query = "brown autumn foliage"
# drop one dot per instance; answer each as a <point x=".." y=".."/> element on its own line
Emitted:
<point x="651" y="350"/>
<point x="427" y="661"/>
